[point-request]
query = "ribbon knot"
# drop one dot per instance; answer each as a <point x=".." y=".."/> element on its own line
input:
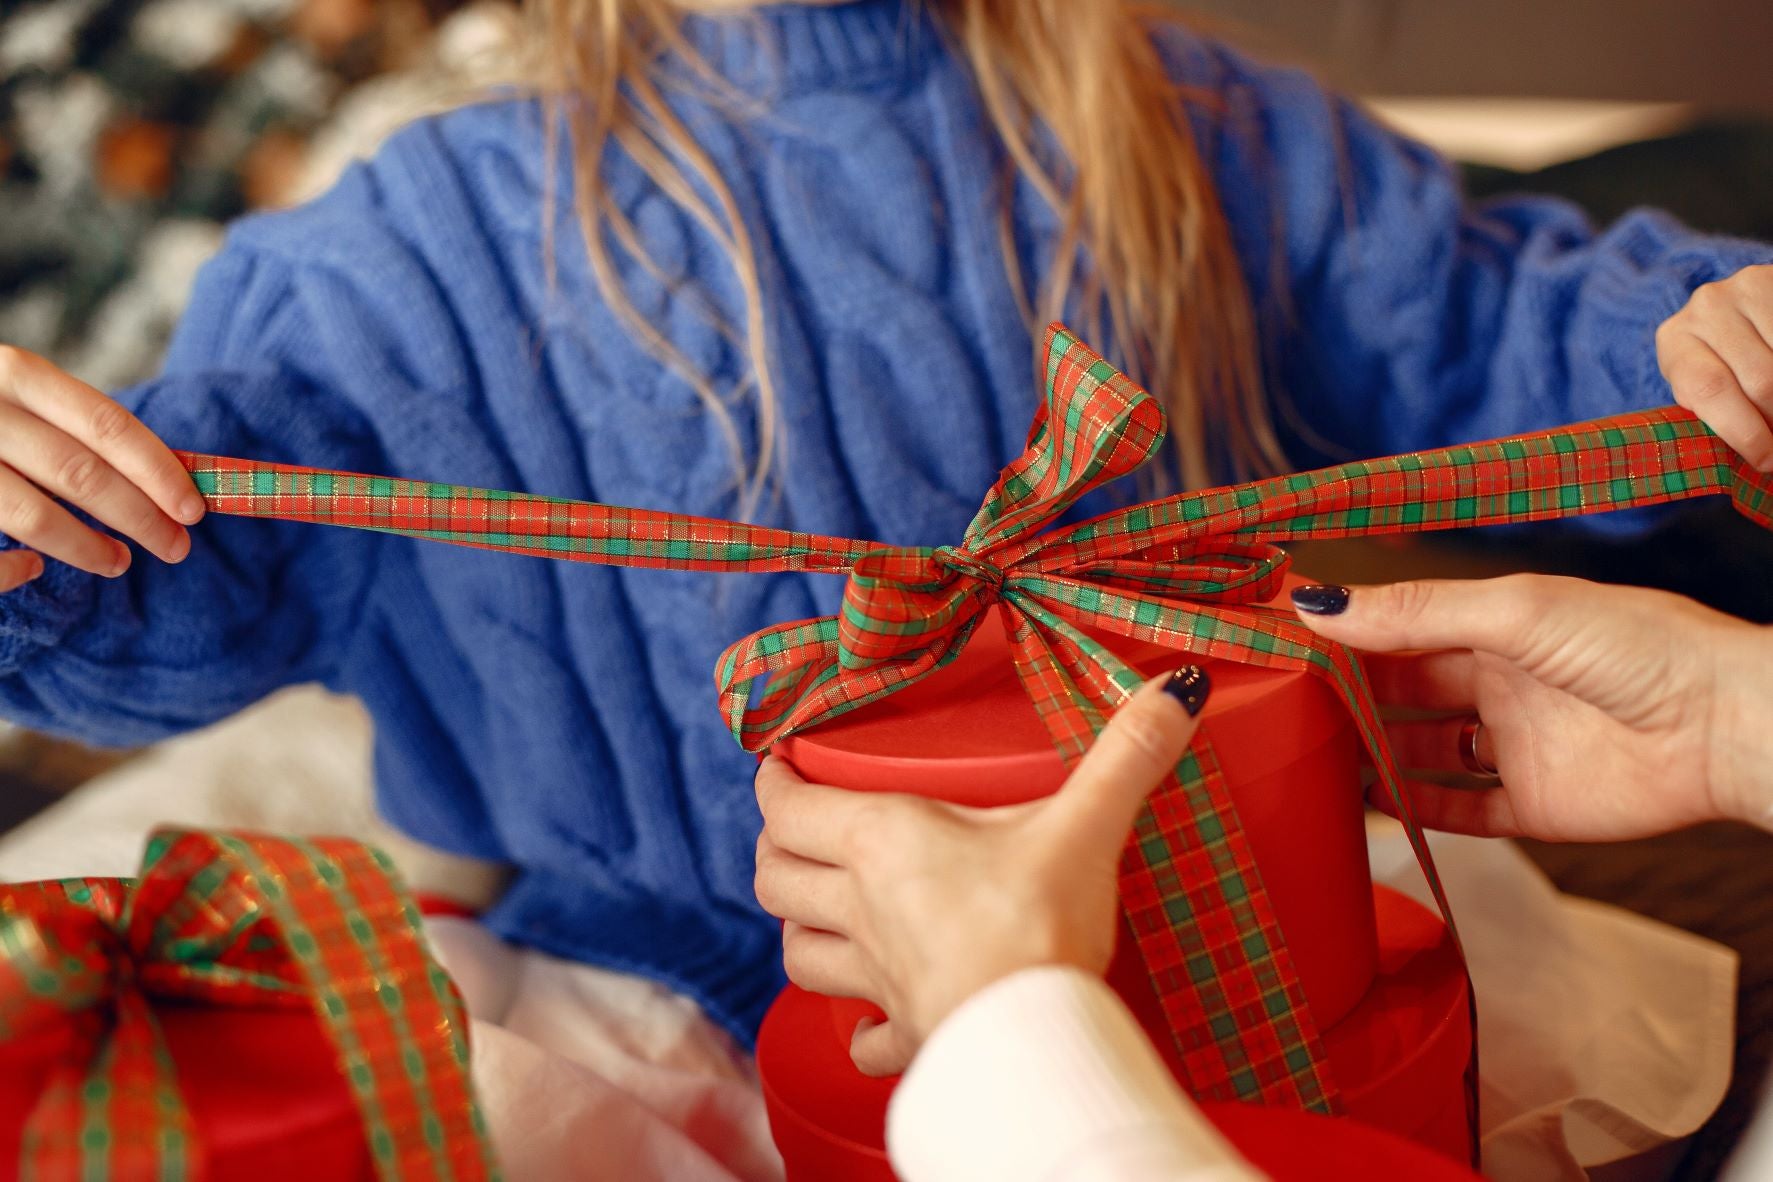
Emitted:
<point x="969" y="565"/>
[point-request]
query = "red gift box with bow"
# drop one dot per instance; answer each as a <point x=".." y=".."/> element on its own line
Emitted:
<point x="251" y="1007"/>
<point x="1381" y="974"/>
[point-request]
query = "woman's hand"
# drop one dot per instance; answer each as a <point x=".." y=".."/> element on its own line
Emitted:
<point x="1609" y="712"/>
<point x="61" y="440"/>
<point x="916" y="905"/>
<point x="1717" y="353"/>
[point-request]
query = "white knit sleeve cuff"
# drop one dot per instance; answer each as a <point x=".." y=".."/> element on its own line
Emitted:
<point x="1042" y="1076"/>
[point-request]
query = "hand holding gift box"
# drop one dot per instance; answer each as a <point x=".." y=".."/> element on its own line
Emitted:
<point x="1382" y="977"/>
<point x="886" y="897"/>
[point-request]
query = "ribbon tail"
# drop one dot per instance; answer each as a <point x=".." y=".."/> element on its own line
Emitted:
<point x="111" y="1105"/>
<point x="1263" y="636"/>
<point x="1191" y="891"/>
<point x="121" y="1114"/>
<point x="1253" y="635"/>
<point x="391" y="1012"/>
<point x="1074" y="681"/>
<point x="516" y="523"/>
<point x="1629" y="461"/>
<point x="1345" y="673"/>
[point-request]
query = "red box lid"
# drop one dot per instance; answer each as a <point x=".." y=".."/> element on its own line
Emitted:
<point x="969" y="730"/>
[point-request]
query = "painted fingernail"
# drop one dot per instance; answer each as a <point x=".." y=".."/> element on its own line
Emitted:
<point x="1190" y="686"/>
<point x="1324" y="599"/>
<point x="190" y="510"/>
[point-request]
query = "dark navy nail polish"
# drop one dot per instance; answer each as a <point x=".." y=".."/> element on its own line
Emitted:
<point x="1189" y="685"/>
<point x="1321" y="600"/>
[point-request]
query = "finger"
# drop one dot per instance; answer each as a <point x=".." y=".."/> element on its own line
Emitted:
<point x="1434" y="744"/>
<point x="28" y="516"/>
<point x="1138" y="749"/>
<point x="18" y="567"/>
<point x="1706" y="385"/>
<point x="809" y="893"/>
<point x="1505" y="616"/>
<point x="1443" y="680"/>
<point x="812" y="821"/>
<point x="1756" y="299"/>
<point x="1480" y="812"/>
<point x="103" y="425"/>
<point x="825" y="963"/>
<point x="63" y="466"/>
<point x="879" y="1049"/>
<point x="1739" y="344"/>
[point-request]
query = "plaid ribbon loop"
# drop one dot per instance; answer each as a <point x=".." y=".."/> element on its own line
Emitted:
<point x="927" y="591"/>
<point x="1190" y="572"/>
<point x="82" y="957"/>
<point x="234" y="920"/>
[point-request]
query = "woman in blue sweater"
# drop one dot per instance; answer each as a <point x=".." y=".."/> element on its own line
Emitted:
<point x="783" y="264"/>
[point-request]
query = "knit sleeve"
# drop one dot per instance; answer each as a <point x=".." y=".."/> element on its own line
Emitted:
<point x="1044" y="1076"/>
<point x="256" y="605"/>
<point x="1408" y="317"/>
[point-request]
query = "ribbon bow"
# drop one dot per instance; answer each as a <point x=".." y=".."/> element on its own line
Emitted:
<point x="1189" y="572"/>
<point x="233" y="920"/>
<point x="909" y="610"/>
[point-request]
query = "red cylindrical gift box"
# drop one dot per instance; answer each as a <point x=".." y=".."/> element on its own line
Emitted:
<point x="1397" y="1040"/>
<point x="267" y="1097"/>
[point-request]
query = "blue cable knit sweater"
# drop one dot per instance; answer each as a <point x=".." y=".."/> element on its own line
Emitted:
<point x="561" y="718"/>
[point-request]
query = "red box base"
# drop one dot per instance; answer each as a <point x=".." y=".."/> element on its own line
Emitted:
<point x="1399" y="1058"/>
<point x="1289" y="1146"/>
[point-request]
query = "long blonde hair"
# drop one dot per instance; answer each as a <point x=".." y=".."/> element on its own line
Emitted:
<point x="1145" y="260"/>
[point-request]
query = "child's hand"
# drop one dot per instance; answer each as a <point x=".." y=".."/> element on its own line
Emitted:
<point x="61" y="439"/>
<point x="1717" y="353"/>
<point x="916" y="905"/>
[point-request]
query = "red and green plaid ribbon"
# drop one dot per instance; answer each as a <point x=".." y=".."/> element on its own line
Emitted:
<point x="1190" y="572"/>
<point x="233" y="919"/>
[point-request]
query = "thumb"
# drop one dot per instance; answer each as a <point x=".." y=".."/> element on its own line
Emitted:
<point x="1135" y="752"/>
<point x="1506" y="616"/>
